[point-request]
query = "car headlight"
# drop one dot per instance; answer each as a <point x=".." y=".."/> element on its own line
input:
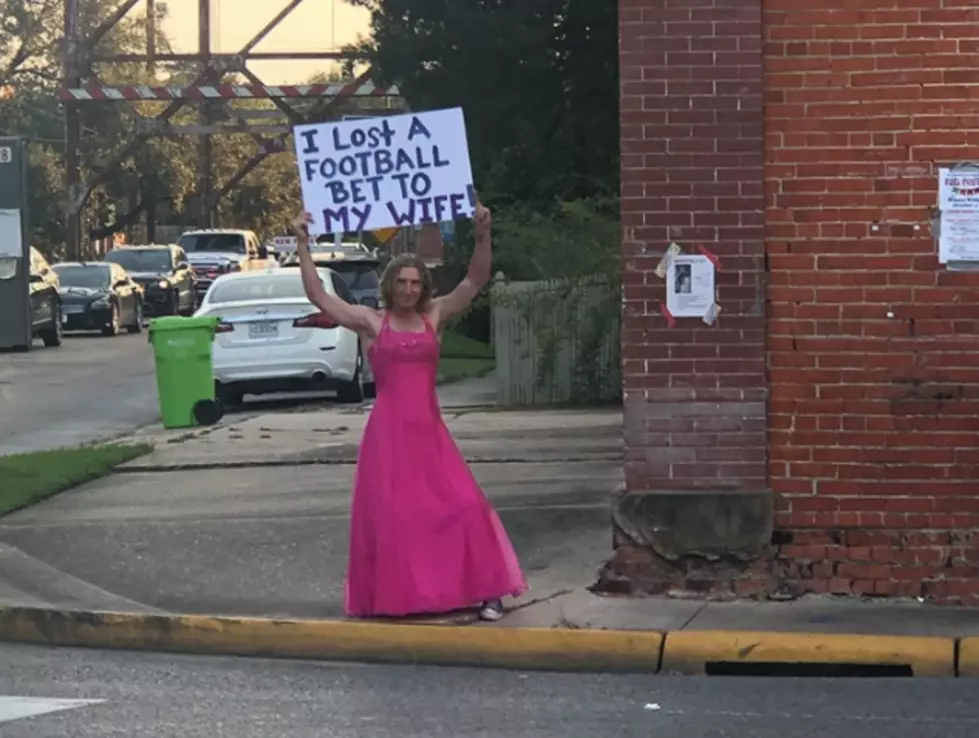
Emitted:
<point x="101" y="303"/>
<point x="163" y="284"/>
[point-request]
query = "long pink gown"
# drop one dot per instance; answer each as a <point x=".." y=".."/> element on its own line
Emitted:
<point x="423" y="537"/>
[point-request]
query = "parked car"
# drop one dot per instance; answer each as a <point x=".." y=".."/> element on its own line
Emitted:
<point x="360" y="271"/>
<point x="272" y="339"/>
<point x="46" y="315"/>
<point x="162" y="270"/>
<point x="98" y="296"/>
<point x="215" y="252"/>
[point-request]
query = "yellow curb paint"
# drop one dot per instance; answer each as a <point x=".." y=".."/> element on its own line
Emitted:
<point x="518" y="648"/>
<point x="689" y="651"/>
<point x="969" y="657"/>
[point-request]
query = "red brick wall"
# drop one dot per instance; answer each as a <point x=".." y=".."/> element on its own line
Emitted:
<point x="692" y="171"/>
<point x="874" y="420"/>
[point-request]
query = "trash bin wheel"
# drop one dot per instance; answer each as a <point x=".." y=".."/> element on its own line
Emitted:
<point x="207" y="412"/>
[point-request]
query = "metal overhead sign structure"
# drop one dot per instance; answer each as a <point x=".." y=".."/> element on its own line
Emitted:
<point x="84" y="86"/>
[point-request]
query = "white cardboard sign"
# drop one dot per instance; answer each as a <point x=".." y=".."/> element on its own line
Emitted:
<point x="384" y="172"/>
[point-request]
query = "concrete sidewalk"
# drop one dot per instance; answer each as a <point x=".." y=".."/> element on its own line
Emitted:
<point x="251" y="518"/>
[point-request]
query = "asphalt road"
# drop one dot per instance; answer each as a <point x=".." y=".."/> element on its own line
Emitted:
<point x="164" y="696"/>
<point x="90" y="388"/>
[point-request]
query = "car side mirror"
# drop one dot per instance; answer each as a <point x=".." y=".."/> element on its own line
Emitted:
<point x="36" y="278"/>
<point x="263" y="252"/>
<point x="183" y="265"/>
<point x="122" y="283"/>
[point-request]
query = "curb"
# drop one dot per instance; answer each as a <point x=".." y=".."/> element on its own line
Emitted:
<point x="968" y="664"/>
<point x="535" y="649"/>
<point x="731" y="652"/>
<point x="338" y="640"/>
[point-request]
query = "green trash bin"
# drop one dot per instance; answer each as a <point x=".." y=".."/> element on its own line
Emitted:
<point x="185" y="370"/>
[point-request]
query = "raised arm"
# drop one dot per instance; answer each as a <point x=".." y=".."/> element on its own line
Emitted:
<point x="358" y="318"/>
<point x="459" y="300"/>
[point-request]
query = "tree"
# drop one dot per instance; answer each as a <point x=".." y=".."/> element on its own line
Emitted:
<point x="31" y="43"/>
<point x="537" y="79"/>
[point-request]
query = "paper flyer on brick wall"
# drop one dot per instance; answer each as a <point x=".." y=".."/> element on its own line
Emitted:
<point x="386" y="172"/>
<point x="958" y="202"/>
<point x="690" y="286"/>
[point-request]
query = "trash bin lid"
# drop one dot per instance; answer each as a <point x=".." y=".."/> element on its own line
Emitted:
<point x="177" y="323"/>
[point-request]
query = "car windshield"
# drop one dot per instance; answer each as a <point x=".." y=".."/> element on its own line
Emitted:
<point x="148" y="260"/>
<point x="267" y="287"/>
<point x="220" y="242"/>
<point x="357" y="275"/>
<point x="93" y="276"/>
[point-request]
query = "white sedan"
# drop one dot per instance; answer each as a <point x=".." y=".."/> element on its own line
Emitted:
<point x="272" y="339"/>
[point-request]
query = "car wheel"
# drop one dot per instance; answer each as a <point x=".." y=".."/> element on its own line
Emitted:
<point x="353" y="391"/>
<point x="113" y="328"/>
<point x="53" y="336"/>
<point x="137" y="327"/>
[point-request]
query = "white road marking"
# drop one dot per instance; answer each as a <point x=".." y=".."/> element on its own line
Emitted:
<point x="752" y="715"/>
<point x="16" y="708"/>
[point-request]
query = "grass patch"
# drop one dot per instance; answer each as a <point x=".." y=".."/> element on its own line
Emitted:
<point x="458" y="346"/>
<point x="464" y="358"/>
<point x="29" y="478"/>
<point x="454" y="370"/>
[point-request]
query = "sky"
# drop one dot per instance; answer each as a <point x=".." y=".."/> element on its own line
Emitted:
<point x="310" y="27"/>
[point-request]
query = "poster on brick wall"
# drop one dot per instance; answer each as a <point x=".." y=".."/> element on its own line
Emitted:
<point x="690" y="287"/>
<point x="375" y="173"/>
<point x="958" y="203"/>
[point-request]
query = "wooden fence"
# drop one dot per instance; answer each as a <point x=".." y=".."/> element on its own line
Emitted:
<point x="556" y="343"/>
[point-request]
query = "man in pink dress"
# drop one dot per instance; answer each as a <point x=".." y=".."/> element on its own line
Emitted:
<point x="423" y="537"/>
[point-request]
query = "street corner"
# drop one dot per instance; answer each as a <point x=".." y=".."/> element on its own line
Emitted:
<point x="535" y="649"/>
<point x="807" y="654"/>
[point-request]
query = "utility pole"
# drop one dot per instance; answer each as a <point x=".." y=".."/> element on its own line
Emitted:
<point x="205" y="177"/>
<point x="73" y="200"/>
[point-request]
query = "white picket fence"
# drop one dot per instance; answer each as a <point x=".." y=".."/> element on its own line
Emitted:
<point x="533" y="368"/>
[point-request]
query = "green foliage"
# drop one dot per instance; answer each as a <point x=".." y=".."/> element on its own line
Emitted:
<point x="537" y="79"/>
<point x="572" y="258"/>
<point x="538" y="82"/>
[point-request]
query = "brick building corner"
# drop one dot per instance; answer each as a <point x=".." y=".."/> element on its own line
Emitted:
<point x="823" y="436"/>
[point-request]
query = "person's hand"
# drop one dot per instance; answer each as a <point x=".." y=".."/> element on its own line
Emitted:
<point x="300" y="225"/>
<point x="482" y="220"/>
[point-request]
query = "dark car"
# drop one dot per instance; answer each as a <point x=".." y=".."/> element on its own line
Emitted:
<point x="96" y="296"/>
<point x="46" y="315"/>
<point x="162" y="270"/>
<point x="219" y="251"/>
<point x="360" y="271"/>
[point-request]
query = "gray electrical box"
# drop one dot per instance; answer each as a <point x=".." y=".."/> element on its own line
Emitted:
<point x="15" y="252"/>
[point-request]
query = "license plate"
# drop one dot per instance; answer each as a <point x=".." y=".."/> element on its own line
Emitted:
<point x="263" y="330"/>
<point x="74" y="309"/>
